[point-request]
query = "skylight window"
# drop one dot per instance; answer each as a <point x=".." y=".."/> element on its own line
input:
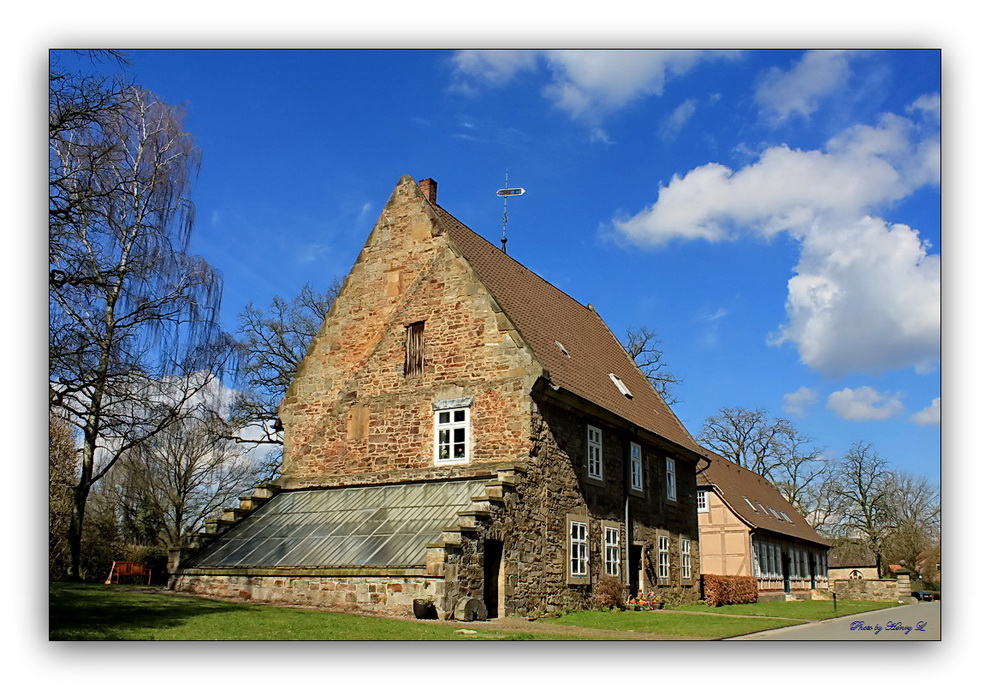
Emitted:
<point x="750" y="504"/>
<point x="562" y="348"/>
<point x="621" y="386"/>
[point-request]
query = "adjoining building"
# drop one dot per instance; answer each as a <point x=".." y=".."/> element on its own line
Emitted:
<point x="461" y="430"/>
<point x="747" y="528"/>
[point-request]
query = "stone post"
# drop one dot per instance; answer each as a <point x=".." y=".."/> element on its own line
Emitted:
<point x="904" y="587"/>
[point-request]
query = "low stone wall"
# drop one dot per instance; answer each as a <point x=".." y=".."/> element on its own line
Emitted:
<point x="874" y="590"/>
<point x="386" y="594"/>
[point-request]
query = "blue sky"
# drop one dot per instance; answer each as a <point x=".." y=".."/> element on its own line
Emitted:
<point x="774" y="215"/>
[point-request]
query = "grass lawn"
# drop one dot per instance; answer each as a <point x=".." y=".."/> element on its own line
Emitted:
<point x="803" y="610"/>
<point x="120" y="612"/>
<point x="687" y="625"/>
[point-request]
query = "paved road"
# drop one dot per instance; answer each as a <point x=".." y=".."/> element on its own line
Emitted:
<point x="921" y="621"/>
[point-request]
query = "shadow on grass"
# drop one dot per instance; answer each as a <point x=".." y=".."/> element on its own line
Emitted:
<point x="117" y="612"/>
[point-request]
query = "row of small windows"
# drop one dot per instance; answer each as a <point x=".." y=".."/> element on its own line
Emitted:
<point x="768" y="561"/>
<point x="580" y="558"/>
<point x="595" y="467"/>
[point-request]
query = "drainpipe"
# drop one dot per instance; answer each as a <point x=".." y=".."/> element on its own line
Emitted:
<point x="629" y="535"/>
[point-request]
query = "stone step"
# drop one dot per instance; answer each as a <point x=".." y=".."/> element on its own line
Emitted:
<point x="235" y="514"/>
<point x="252" y="502"/>
<point x="218" y="526"/>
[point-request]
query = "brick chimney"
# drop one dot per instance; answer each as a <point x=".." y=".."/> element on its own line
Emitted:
<point x="429" y="189"/>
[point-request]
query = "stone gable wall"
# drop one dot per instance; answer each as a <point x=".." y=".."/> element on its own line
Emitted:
<point x="352" y="409"/>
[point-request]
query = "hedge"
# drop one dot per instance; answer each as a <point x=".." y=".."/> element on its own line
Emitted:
<point x="729" y="589"/>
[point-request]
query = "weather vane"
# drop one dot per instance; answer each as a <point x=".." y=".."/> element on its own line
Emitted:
<point x="505" y="193"/>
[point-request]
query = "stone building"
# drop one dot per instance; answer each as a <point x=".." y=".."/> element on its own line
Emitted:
<point x="748" y="528"/>
<point x="461" y="430"/>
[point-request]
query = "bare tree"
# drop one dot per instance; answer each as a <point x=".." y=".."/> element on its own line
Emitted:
<point x="62" y="456"/>
<point x="169" y="485"/>
<point x="272" y="344"/>
<point x="643" y="346"/>
<point x="863" y="490"/>
<point x="133" y="332"/>
<point x="916" y="517"/>
<point x="776" y="450"/>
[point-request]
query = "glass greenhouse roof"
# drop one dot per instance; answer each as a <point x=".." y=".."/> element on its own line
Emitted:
<point x="344" y="527"/>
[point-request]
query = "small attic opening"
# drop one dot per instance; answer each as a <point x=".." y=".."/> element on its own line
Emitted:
<point x="621" y="386"/>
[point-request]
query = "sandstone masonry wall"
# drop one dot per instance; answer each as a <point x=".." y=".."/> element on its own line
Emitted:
<point x="353" y="410"/>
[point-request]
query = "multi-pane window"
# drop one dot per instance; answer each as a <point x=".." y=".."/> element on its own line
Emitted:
<point x="594" y="452"/>
<point x="685" y="559"/>
<point x="671" y="480"/>
<point x="579" y="548"/>
<point x="663" y="558"/>
<point x="452" y="429"/>
<point x="415" y="350"/>
<point x="702" y="500"/>
<point x="635" y="466"/>
<point x="611" y="537"/>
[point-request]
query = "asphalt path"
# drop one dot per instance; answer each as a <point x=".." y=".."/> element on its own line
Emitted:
<point x="920" y="621"/>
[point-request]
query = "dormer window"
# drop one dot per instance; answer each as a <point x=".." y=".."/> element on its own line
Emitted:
<point x="621" y="386"/>
<point x="415" y="350"/>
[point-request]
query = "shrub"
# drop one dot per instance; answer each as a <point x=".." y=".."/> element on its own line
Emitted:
<point x="729" y="589"/>
<point x="609" y="593"/>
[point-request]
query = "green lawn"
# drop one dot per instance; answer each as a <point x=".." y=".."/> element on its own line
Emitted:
<point x="685" y="625"/>
<point x="123" y="612"/>
<point x="119" y="612"/>
<point x="803" y="610"/>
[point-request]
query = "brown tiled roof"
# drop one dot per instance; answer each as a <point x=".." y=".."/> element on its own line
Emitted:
<point x="569" y="339"/>
<point x="754" y="499"/>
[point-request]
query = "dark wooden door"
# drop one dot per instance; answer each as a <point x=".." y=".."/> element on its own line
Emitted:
<point x="493" y="573"/>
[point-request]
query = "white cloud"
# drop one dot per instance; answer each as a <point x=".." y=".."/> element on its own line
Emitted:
<point x="866" y="292"/>
<point x="782" y="94"/>
<point x="864" y="403"/>
<point x="930" y="416"/>
<point x="865" y="298"/>
<point x="587" y="84"/>
<point x="672" y="126"/>
<point x="797" y="403"/>
<point x="492" y="66"/>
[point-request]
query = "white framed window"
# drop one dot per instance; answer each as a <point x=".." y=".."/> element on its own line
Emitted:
<point x="671" y="480"/>
<point x="594" y="452"/>
<point x="579" y="548"/>
<point x="702" y="500"/>
<point x="757" y="571"/>
<point x="611" y="539"/>
<point x="452" y="435"/>
<point x="635" y="467"/>
<point x="663" y="558"/>
<point x="685" y="559"/>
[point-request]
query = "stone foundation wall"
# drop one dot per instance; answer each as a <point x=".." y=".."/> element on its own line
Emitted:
<point x="382" y="594"/>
